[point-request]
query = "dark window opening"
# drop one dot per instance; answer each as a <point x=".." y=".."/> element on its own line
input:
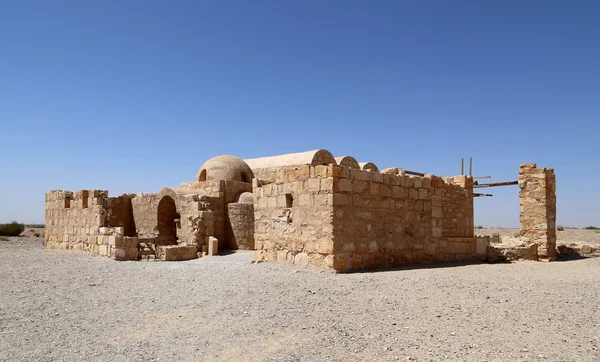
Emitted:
<point x="246" y="177"/>
<point x="202" y="175"/>
<point x="289" y="200"/>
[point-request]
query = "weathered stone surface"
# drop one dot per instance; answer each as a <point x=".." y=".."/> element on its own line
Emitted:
<point x="537" y="197"/>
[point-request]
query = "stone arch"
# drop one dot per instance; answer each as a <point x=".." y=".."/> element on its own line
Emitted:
<point x="167" y="218"/>
<point x="202" y="176"/>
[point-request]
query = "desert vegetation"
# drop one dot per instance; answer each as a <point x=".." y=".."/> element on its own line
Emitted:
<point x="12" y="229"/>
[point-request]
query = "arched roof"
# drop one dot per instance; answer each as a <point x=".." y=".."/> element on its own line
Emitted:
<point x="315" y="157"/>
<point x="368" y="166"/>
<point x="347" y="161"/>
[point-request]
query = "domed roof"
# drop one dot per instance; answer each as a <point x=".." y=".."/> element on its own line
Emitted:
<point x="225" y="167"/>
<point x="246" y="198"/>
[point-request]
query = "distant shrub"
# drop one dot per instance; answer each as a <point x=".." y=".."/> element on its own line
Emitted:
<point x="3" y="238"/>
<point x="37" y="235"/>
<point x="592" y="228"/>
<point x="560" y="228"/>
<point x="480" y="227"/>
<point x="12" y="229"/>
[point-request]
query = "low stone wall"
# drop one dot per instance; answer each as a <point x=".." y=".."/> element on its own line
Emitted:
<point x="113" y="246"/>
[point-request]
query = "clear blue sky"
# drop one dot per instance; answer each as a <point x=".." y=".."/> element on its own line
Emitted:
<point x="131" y="96"/>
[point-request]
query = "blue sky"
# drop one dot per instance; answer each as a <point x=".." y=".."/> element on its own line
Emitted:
<point x="131" y="96"/>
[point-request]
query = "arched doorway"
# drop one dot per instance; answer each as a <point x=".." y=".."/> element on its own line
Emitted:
<point x="167" y="226"/>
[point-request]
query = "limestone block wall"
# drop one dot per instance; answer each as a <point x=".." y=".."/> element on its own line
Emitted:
<point x="294" y="216"/>
<point x="194" y="211"/>
<point x="121" y="213"/>
<point x="387" y="219"/>
<point x="241" y="217"/>
<point x="537" y="197"/>
<point x="71" y="217"/>
<point x="456" y="198"/>
<point x="355" y="219"/>
<point x="224" y="192"/>
<point x="144" y="207"/>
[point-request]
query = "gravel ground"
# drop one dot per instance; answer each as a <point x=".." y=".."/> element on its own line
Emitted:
<point x="567" y="236"/>
<point x="73" y="306"/>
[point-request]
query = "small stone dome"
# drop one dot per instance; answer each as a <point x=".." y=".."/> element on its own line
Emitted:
<point x="225" y="167"/>
<point x="246" y="198"/>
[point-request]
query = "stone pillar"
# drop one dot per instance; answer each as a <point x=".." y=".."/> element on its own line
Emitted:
<point x="537" y="197"/>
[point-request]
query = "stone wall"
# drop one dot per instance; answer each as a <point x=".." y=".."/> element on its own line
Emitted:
<point x="241" y="217"/>
<point x="194" y="209"/>
<point x="537" y="198"/>
<point x="456" y="199"/>
<point x="121" y="214"/>
<point x="71" y="217"/>
<point x="224" y="193"/>
<point x="347" y="219"/>
<point x="294" y="216"/>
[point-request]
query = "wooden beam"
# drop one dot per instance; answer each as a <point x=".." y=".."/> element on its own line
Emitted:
<point x="414" y="173"/>
<point x="481" y="195"/>
<point x="508" y="183"/>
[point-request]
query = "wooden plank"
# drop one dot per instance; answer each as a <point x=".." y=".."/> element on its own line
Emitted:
<point x="481" y="195"/>
<point x="495" y="184"/>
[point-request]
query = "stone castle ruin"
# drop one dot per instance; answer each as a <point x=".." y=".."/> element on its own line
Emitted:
<point x="308" y="208"/>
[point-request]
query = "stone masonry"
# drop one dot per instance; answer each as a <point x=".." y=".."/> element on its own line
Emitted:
<point x="307" y="208"/>
<point x="537" y="199"/>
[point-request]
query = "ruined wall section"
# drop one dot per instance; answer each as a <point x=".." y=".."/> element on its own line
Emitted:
<point x="196" y="214"/>
<point x="72" y="217"/>
<point x="294" y="216"/>
<point x="455" y="196"/>
<point x="121" y="213"/>
<point x="224" y="193"/>
<point x="537" y="197"/>
<point x="384" y="220"/>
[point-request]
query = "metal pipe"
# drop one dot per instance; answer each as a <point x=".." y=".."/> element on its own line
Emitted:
<point x="470" y="166"/>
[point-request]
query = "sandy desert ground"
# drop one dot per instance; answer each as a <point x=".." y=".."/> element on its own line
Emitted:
<point x="73" y="306"/>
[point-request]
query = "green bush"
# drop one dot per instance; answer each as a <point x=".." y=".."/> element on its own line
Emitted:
<point x="12" y="229"/>
<point x="479" y="227"/>
<point x="592" y="228"/>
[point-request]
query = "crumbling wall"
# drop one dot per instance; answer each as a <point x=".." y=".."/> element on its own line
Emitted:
<point x="121" y="213"/>
<point x="537" y="197"/>
<point x="455" y="196"/>
<point x="72" y="217"/>
<point x="196" y="211"/>
<point x="224" y="193"/>
<point x="144" y="208"/>
<point x="355" y="219"/>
